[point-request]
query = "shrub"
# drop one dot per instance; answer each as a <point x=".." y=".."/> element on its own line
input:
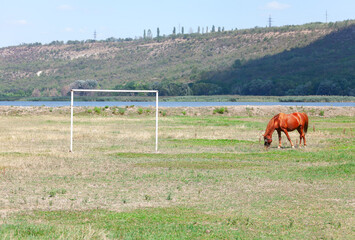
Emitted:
<point x="249" y="111"/>
<point x="89" y="110"/>
<point x="140" y="111"/>
<point x="97" y="110"/>
<point x="220" y="110"/>
<point x="121" y="111"/>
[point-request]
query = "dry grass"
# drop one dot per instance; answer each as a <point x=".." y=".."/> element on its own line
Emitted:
<point x="210" y="163"/>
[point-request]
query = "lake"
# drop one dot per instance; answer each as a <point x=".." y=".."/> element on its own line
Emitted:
<point x="173" y="104"/>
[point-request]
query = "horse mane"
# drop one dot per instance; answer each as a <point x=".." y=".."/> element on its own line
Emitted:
<point x="270" y="125"/>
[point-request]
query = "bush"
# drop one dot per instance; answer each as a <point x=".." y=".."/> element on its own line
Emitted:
<point x="163" y="113"/>
<point x="140" y="111"/>
<point x="220" y="110"/>
<point x="121" y="111"/>
<point x="97" y="110"/>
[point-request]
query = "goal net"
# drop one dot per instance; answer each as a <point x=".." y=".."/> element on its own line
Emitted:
<point x="113" y="91"/>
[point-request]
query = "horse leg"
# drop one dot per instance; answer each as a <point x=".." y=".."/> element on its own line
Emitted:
<point x="279" y="133"/>
<point x="300" y="132"/>
<point x="288" y="137"/>
<point x="302" y="136"/>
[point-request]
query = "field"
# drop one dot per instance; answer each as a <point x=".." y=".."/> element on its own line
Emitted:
<point x="211" y="179"/>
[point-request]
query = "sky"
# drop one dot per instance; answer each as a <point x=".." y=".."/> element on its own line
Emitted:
<point x="44" y="21"/>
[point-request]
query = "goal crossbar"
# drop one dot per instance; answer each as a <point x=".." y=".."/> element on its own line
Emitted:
<point x="121" y="91"/>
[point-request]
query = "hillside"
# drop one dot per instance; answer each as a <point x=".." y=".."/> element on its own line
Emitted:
<point x="324" y="67"/>
<point x="213" y="63"/>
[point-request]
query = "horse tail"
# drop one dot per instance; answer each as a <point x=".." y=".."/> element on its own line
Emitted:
<point x="305" y="128"/>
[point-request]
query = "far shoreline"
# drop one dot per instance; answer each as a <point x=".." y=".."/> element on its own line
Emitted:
<point x="201" y="98"/>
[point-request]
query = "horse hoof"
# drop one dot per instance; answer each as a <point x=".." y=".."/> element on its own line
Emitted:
<point x="279" y="147"/>
<point x="293" y="146"/>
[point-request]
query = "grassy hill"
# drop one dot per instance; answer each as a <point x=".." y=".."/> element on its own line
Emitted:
<point x="213" y="63"/>
<point x="324" y="67"/>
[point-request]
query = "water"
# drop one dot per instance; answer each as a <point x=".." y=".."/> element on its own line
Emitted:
<point x="173" y="104"/>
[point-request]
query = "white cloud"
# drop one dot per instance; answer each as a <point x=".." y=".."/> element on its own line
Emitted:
<point x="20" y="22"/>
<point x="65" y="7"/>
<point x="68" y="29"/>
<point x="274" y="5"/>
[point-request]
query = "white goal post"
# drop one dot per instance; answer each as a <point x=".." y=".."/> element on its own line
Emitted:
<point x="119" y="91"/>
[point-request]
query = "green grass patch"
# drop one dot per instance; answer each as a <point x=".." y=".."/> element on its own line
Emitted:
<point x="209" y="142"/>
<point x="27" y="231"/>
<point x="156" y="223"/>
<point x="336" y="119"/>
<point x="283" y="155"/>
<point x="216" y="121"/>
<point x="345" y="170"/>
<point x="203" y="164"/>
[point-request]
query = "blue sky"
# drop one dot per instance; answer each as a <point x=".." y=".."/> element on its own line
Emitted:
<point x="23" y="21"/>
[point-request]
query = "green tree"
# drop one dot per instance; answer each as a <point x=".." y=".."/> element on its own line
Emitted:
<point x="149" y="34"/>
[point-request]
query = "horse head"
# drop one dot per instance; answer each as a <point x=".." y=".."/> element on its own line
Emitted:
<point x="267" y="141"/>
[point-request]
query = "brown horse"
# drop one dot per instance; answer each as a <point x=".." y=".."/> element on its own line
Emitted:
<point x="285" y="123"/>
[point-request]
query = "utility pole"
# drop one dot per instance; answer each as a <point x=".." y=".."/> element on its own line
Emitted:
<point x="326" y="16"/>
<point x="95" y="35"/>
<point x="270" y="21"/>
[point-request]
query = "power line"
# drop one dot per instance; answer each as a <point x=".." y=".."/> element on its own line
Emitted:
<point x="270" y="21"/>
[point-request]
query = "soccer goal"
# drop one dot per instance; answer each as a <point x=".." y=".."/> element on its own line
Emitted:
<point x="114" y="91"/>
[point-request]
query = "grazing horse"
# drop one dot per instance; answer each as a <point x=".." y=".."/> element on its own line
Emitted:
<point x="285" y="123"/>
